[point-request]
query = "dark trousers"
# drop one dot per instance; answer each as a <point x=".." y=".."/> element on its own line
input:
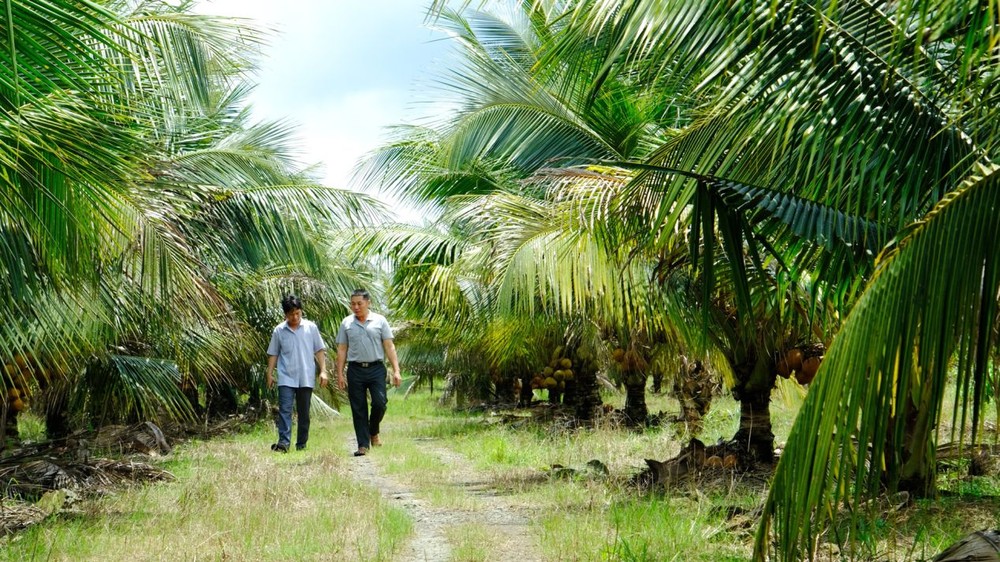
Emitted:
<point x="362" y="381"/>
<point x="302" y="397"/>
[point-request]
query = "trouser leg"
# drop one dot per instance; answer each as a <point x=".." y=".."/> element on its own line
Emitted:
<point x="286" y="395"/>
<point x="357" y="395"/>
<point x="379" y="399"/>
<point x="303" y="398"/>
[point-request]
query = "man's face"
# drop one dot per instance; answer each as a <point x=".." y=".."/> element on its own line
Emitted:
<point x="359" y="305"/>
<point x="294" y="318"/>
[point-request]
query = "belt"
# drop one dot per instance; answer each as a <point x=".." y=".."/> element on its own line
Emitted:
<point x="364" y="364"/>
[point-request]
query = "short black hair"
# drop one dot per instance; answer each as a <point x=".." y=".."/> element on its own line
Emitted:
<point x="290" y="303"/>
<point x="361" y="293"/>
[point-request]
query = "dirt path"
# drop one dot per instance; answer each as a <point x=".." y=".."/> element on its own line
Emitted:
<point x="508" y="524"/>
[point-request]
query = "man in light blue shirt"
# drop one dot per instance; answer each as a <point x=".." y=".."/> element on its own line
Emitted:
<point x="296" y="348"/>
<point x="364" y="341"/>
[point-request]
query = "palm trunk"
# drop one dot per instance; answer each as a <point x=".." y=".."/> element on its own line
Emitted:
<point x="588" y="396"/>
<point x="505" y="391"/>
<point x="636" y="411"/>
<point x="693" y="388"/>
<point x="221" y="400"/>
<point x="526" y="391"/>
<point x="190" y="391"/>
<point x="755" y="379"/>
<point x="56" y="400"/>
<point x="914" y="472"/>
<point x="754" y="436"/>
<point x="8" y="427"/>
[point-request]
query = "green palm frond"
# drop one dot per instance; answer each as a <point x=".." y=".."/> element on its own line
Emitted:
<point x="535" y="115"/>
<point x="430" y="273"/>
<point x="187" y="50"/>
<point x="63" y="171"/>
<point x="414" y="168"/>
<point x="57" y="328"/>
<point x="51" y="45"/>
<point x="752" y="222"/>
<point x="123" y="385"/>
<point x="242" y="157"/>
<point x="526" y="136"/>
<point x="926" y="308"/>
<point x="518" y="344"/>
<point x="141" y="214"/>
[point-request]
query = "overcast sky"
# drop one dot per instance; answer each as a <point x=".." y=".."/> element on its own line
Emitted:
<point x="342" y="70"/>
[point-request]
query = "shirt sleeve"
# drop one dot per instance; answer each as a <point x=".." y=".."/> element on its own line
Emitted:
<point x="318" y="343"/>
<point x="274" y="348"/>
<point x="341" y="334"/>
<point x="386" y="330"/>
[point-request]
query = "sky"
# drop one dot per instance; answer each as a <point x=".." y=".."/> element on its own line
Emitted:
<point x="341" y="70"/>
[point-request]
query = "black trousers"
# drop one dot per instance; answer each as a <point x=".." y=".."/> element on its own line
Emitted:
<point x="362" y="381"/>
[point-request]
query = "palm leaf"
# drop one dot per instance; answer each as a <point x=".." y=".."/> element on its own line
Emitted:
<point x="925" y="307"/>
<point x="142" y="386"/>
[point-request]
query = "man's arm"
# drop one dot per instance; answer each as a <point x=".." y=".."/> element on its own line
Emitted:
<point x="341" y="359"/>
<point x="272" y="362"/>
<point x="390" y="352"/>
<point x="321" y="359"/>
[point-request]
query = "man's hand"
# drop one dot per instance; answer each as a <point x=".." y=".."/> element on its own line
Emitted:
<point x="396" y="378"/>
<point x="272" y="364"/>
<point x="341" y="382"/>
<point x="323" y="379"/>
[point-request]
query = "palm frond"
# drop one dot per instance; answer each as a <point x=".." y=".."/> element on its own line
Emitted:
<point x="926" y="307"/>
<point x="123" y="386"/>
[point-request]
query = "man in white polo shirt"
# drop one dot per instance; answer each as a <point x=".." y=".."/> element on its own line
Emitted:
<point x="363" y="342"/>
<point x="296" y="348"/>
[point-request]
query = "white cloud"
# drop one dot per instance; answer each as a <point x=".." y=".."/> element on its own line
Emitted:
<point x="341" y="70"/>
<point x="338" y="134"/>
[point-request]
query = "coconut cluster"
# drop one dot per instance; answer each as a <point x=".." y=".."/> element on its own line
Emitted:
<point x="554" y="375"/>
<point x="795" y="361"/>
<point x="17" y="374"/>
<point x="629" y="359"/>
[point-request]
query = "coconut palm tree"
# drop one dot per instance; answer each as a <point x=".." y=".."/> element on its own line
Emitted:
<point x="605" y="108"/>
<point x="516" y="118"/>
<point x="145" y="206"/>
<point x="826" y="133"/>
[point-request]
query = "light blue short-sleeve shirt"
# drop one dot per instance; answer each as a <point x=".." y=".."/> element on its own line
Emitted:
<point x="364" y="340"/>
<point x="296" y="351"/>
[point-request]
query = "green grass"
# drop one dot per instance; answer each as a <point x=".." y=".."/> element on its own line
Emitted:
<point x="588" y="518"/>
<point x="233" y="499"/>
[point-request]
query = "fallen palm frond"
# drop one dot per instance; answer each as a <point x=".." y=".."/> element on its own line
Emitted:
<point x="321" y="410"/>
<point x="15" y="516"/>
<point x="73" y="463"/>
